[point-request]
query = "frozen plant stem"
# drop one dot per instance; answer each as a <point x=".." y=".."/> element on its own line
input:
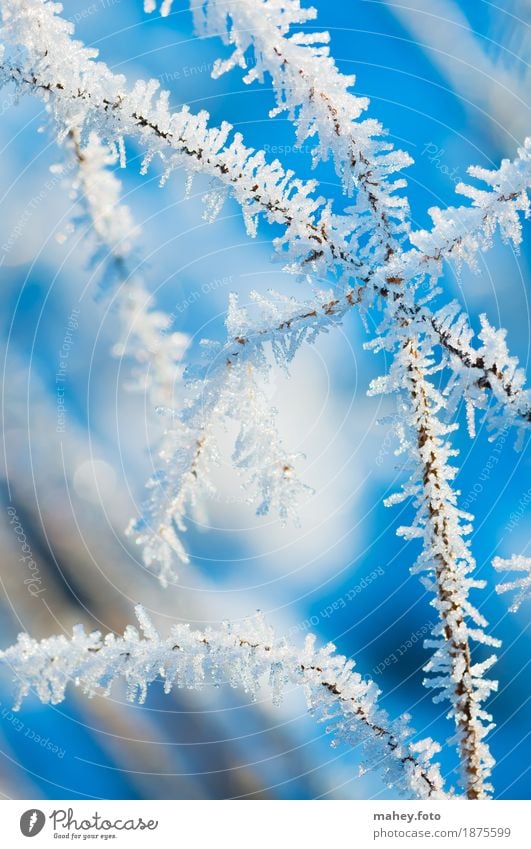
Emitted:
<point x="243" y="655"/>
<point x="447" y="582"/>
<point x="146" y="332"/>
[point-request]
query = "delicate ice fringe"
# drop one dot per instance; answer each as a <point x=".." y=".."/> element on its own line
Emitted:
<point x="247" y="655"/>
<point x="516" y="563"/>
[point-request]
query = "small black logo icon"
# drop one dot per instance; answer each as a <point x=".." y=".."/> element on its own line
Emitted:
<point x="32" y="822"/>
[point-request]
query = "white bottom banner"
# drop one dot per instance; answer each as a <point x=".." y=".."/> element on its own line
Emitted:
<point x="265" y="824"/>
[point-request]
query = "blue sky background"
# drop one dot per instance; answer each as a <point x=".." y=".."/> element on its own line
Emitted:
<point x="448" y="80"/>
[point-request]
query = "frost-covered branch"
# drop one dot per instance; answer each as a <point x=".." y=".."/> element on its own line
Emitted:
<point x="186" y="449"/>
<point x="229" y="386"/>
<point x="243" y="656"/>
<point x="318" y="100"/>
<point x="82" y="94"/>
<point x="284" y="324"/>
<point x="145" y="332"/>
<point x="365" y="251"/>
<point x="480" y="367"/>
<point x="482" y="372"/>
<point x="445" y="557"/>
<point x="516" y="563"/>
<point x="407" y="331"/>
<point x="309" y="87"/>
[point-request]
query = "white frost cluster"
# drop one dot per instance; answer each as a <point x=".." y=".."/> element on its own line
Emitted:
<point x="145" y="332"/>
<point x="245" y="656"/>
<point x="478" y="365"/>
<point x="464" y="232"/>
<point x="516" y="563"/>
<point x="98" y="191"/>
<point x="148" y="338"/>
<point x="229" y="386"/>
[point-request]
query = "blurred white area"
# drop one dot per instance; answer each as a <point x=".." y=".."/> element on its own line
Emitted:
<point x="493" y="91"/>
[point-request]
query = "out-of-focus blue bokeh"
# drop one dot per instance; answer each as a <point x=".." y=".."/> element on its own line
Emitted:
<point x="449" y="80"/>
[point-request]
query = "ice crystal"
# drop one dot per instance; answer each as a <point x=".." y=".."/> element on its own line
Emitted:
<point x="516" y="563"/>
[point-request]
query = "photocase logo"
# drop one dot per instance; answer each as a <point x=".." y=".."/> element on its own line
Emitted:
<point x="32" y="822"/>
